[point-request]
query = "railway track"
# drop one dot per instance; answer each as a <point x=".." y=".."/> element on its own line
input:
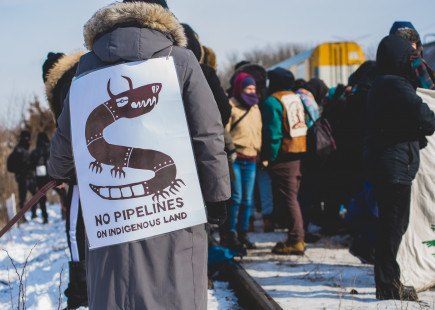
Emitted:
<point x="249" y="293"/>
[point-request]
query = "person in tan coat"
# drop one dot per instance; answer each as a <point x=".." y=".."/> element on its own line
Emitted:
<point x="245" y="129"/>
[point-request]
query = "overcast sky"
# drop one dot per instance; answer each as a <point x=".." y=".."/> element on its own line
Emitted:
<point x="32" y="28"/>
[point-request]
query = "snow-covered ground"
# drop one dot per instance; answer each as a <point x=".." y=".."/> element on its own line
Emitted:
<point x="324" y="278"/>
<point x="46" y="272"/>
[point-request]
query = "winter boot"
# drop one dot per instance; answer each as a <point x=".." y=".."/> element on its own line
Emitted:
<point x="288" y="248"/>
<point x="405" y="293"/>
<point x="77" y="289"/>
<point x="267" y="224"/>
<point x="243" y="238"/>
<point x="229" y="240"/>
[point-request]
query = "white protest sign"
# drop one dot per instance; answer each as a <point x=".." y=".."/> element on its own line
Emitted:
<point x="135" y="166"/>
<point x="11" y="207"/>
<point x="416" y="256"/>
<point x="295" y="115"/>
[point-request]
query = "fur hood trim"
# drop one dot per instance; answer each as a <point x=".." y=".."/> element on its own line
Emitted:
<point x="65" y="63"/>
<point x="148" y="15"/>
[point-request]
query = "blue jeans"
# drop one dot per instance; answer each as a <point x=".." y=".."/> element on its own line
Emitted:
<point x="264" y="185"/>
<point x="242" y="190"/>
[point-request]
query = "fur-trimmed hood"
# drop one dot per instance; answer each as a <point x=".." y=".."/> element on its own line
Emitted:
<point x="63" y="65"/>
<point x="59" y="79"/>
<point x="146" y="15"/>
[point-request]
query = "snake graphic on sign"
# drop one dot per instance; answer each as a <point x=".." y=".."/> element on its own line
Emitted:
<point x="129" y="104"/>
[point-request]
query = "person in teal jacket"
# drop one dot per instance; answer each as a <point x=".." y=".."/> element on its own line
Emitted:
<point x="284" y="143"/>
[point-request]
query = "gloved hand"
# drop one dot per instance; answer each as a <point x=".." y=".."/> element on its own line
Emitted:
<point x="216" y="212"/>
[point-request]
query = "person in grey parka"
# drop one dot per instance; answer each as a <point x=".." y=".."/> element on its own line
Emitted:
<point x="169" y="271"/>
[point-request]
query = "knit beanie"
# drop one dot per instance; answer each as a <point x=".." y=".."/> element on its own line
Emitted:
<point x="397" y="25"/>
<point x="238" y="84"/>
<point x="52" y="58"/>
<point x="24" y="139"/>
<point x="280" y="79"/>
<point x="159" y="2"/>
<point x="247" y="81"/>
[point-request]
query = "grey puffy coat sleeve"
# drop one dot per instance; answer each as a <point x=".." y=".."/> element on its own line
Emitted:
<point x="61" y="164"/>
<point x="207" y="134"/>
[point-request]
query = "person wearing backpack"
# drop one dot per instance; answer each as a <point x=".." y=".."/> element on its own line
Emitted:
<point x="284" y="144"/>
<point x="18" y="163"/>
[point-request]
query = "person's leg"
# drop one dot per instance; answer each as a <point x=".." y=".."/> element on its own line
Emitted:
<point x="394" y="207"/>
<point x="43" y="200"/>
<point x="22" y="192"/>
<point x="248" y="182"/>
<point x="286" y="177"/>
<point x="264" y="182"/>
<point x="236" y="194"/>
<point x="77" y="288"/>
<point x="296" y="224"/>
<point x="32" y="187"/>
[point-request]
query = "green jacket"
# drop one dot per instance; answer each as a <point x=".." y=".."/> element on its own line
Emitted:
<point x="272" y="128"/>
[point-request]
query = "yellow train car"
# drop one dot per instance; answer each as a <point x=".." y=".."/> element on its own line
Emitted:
<point x="333" y="62"/>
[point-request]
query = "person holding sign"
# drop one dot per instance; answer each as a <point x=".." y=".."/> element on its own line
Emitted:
<point x="139" y="127"/>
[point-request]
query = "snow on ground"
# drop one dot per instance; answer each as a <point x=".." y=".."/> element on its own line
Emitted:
<point x="46" y="272"/>
<point x="321" y="279"/>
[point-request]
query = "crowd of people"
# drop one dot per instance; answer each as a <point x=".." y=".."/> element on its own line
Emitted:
<point x="30" y="169"/>
<point x="262" y="122"/>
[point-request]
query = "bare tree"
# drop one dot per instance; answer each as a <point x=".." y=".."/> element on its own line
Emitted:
<point x="266" y="57"/>
<point x="35" y="118"/>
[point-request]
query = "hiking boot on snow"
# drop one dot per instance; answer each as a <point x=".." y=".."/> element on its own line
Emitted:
<point x="243" y="238"/>
<point x="405" y="293"/>
<point x="287" y="248"/>
<point x="229" y="240"/>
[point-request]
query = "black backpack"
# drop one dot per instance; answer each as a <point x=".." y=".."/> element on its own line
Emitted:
<point x="320" y="141"/>
<point x="14" y="161"/>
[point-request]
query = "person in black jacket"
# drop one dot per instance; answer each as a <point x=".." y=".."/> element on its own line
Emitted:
<point x="23" y="174"/>
<point x="38" y="162"/>
<point x="396" y="120"/>
<point x="210" y="75"/>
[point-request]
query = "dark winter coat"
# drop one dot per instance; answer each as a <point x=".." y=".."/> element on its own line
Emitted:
<point x="40" y="156"/>
<point x="221" y="98"/>
<point x="22" y="154"/>
<point x="222" y="101"/>
<point x="170" y="271"/>
<point x="396" y="118"/>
